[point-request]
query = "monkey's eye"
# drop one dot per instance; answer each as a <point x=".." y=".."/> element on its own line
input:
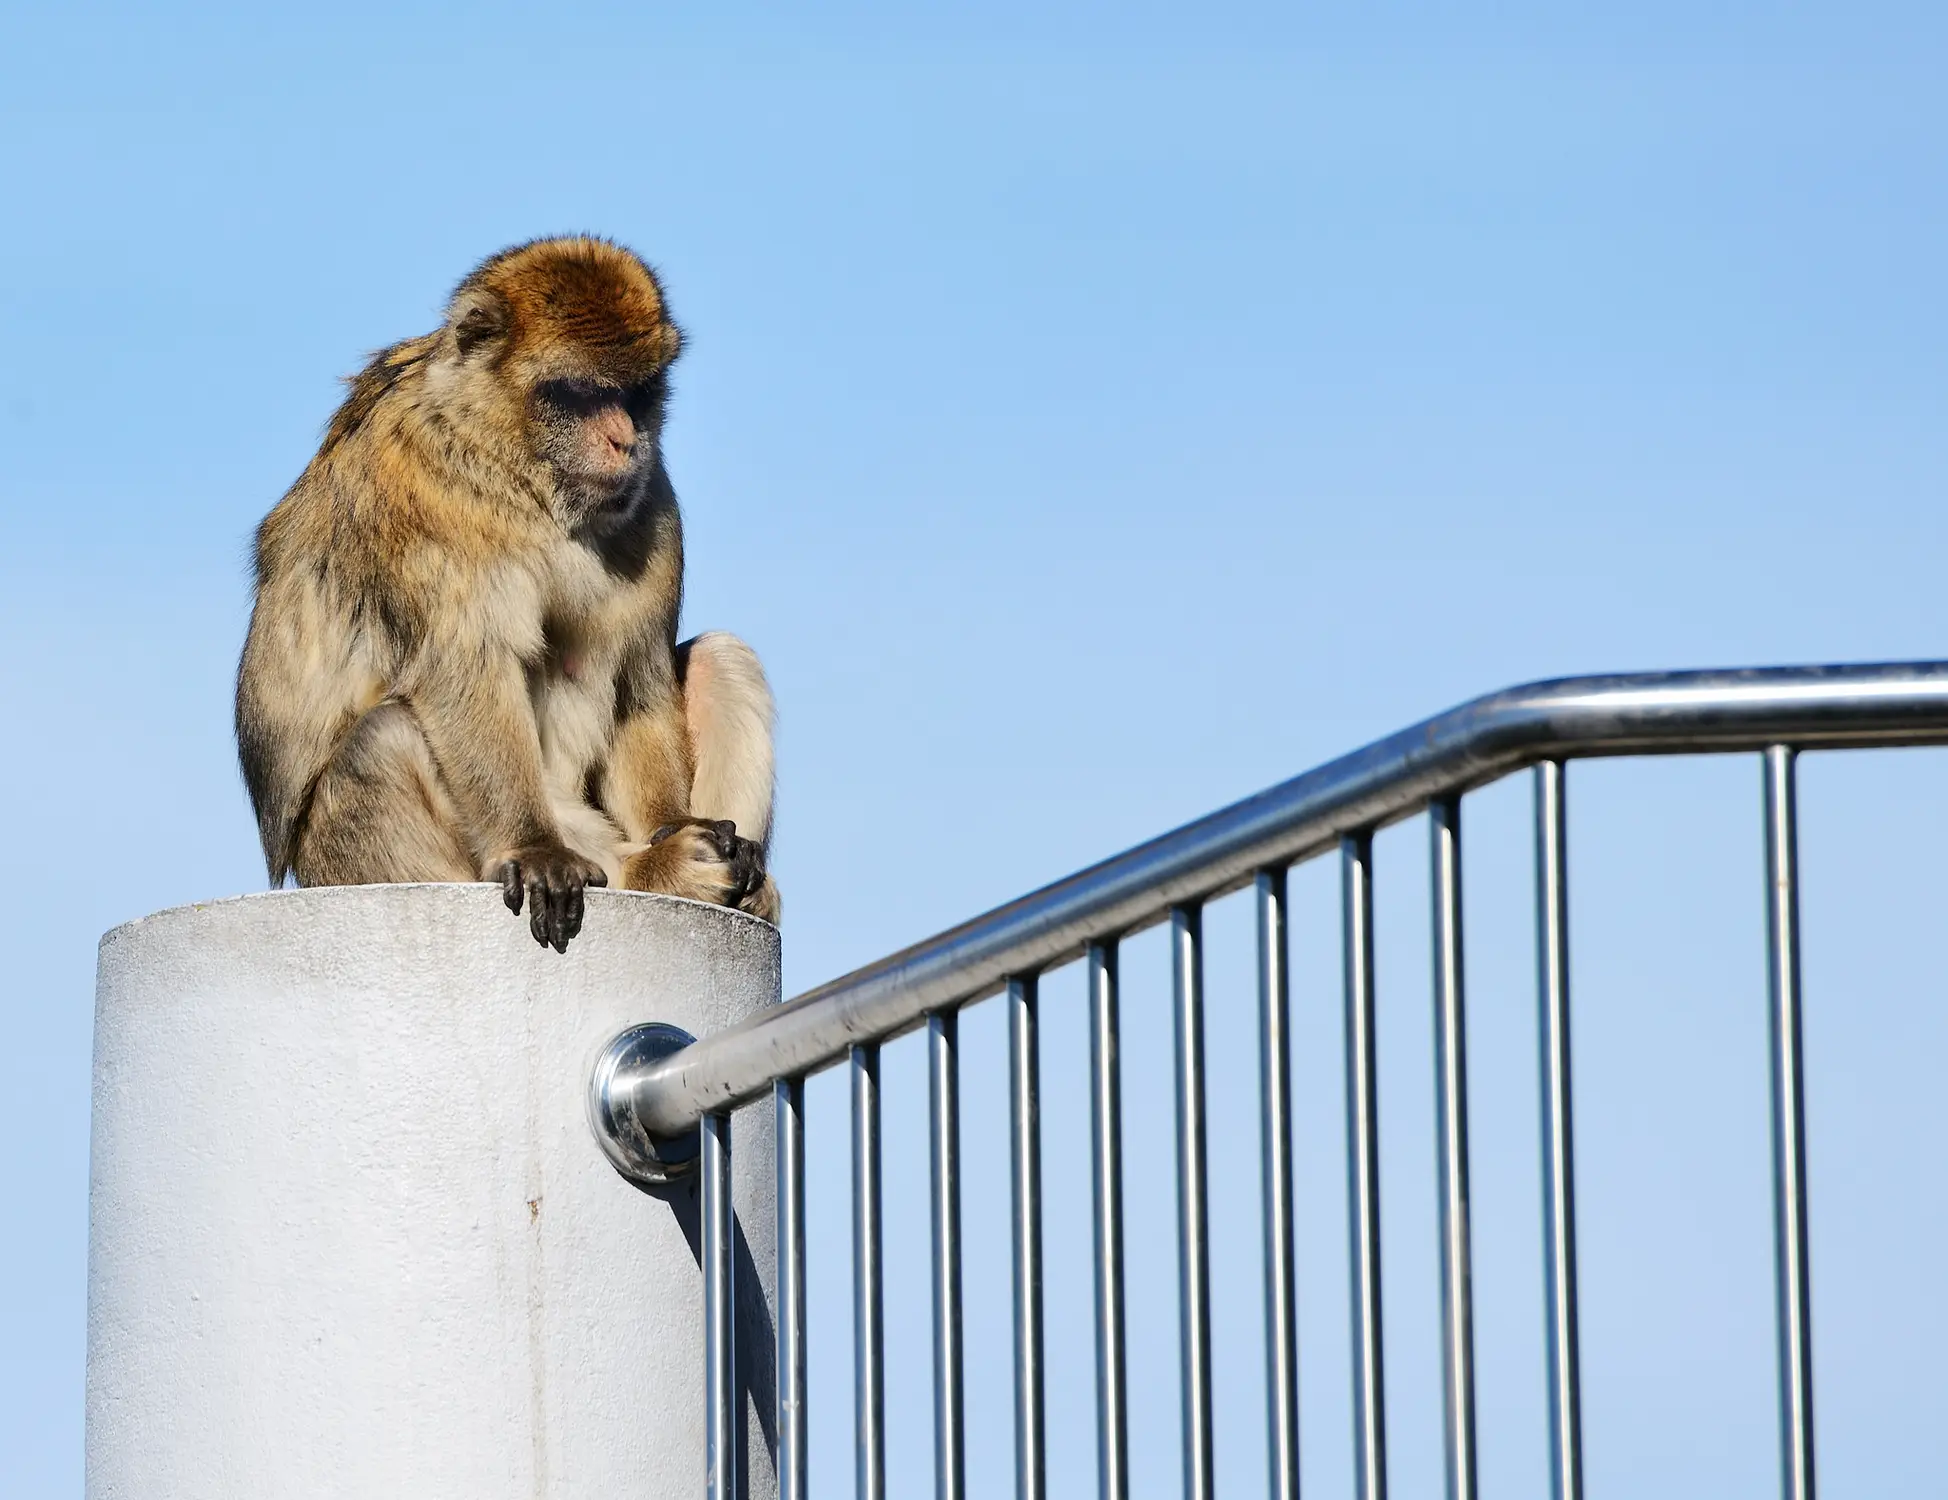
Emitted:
<point x="645" y="398"/>
<point x="577" y="397"/>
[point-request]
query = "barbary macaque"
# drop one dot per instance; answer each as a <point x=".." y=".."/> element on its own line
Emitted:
<point x="462" y="661"/>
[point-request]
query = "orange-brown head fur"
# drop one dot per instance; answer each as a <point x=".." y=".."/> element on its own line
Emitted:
<point x="572" y="308"/>
<point x="548" y="378"/>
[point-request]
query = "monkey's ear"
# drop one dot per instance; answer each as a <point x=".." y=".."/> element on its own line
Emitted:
<point x="477" y="317"/>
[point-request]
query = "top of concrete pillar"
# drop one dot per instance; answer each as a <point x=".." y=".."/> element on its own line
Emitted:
<point x="418" y="917"/>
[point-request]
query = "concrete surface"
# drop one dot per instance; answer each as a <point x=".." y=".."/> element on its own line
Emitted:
<point x="350" y="1234"/>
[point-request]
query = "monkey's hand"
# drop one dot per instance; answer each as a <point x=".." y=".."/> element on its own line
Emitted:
<point x="550" y="878"/>
<point x="702" y="858"/>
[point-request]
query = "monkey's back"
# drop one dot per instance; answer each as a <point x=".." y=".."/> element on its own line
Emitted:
<point x="369" y="550"/>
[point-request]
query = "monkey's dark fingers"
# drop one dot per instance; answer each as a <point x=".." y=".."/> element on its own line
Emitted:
<point x="746" y="860"/>
<point x="571" y="914"/>
<point x="724" y="833"/>
<point x="538" y="909"/>
<point x="558" y="892"/>
<point x="511" y="885"/>
<point x="598" y="877"/>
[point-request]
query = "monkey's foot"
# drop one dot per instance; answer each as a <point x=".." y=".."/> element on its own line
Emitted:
<point x="550" y="879"/>
<point x="703" y="859"/>
<point x="762" y="902"/>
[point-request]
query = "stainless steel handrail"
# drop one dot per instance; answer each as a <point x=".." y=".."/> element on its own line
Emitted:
<point x="1809" y="708"/>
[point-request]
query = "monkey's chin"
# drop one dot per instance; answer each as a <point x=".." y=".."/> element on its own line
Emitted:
<point x="615" y="507"/>
<point x="601" y="510"/>
<point x="594" y="497"/>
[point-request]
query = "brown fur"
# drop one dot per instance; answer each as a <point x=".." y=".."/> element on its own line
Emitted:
<point x="462" y="661"/>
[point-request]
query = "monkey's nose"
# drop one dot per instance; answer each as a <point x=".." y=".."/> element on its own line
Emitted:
<point x="614" y="436"/>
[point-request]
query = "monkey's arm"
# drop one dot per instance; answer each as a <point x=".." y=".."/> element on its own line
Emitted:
<point x="471" y="700"/>
<point x="648" y="782"/>
<point x="299" y="684"/>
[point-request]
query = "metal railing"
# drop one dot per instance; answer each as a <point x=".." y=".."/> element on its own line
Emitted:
<point x="1774" y="712"/>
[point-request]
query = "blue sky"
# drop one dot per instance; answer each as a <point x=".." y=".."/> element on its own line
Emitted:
<point x="1093" y="414"/>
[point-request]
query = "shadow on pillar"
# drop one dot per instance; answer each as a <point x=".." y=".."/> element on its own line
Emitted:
<point x="757" y="1343"/>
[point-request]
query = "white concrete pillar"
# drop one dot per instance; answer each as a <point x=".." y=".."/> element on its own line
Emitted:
<point x="350" y="1233"/>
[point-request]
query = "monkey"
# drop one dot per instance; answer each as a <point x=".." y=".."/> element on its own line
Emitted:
<point x="462" y="662"/>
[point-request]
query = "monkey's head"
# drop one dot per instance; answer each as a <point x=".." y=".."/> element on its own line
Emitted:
<point x="563" y="347"/>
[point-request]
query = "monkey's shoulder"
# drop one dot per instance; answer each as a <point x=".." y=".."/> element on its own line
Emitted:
<point x="385" y="371"/>
<point x="357" y="512"/>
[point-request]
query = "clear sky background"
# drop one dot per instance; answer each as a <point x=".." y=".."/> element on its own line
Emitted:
<point x="1093" y="414"/>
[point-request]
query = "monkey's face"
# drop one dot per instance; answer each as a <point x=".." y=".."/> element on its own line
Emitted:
<point x="599" y="441"/>
<point x="567" y="344"/>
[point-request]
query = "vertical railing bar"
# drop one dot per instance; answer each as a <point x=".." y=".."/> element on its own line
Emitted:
<point x="1558" y="1153"/>
<point x="1106" y="1133"/>
<point x="943" y="1046"/>
<point x="868" y="1289"/>
<point x="1275" y="1099"/>
<point x="1024" y="1113"/>
<point x="719" y="1300"/>
<point x="791" y="1413"/>
<point x="1792" y="1268"/>
<point x="1193" y="1232"/>
<point x="1451" y="1114"/>
<point x="1363" y="1170"/>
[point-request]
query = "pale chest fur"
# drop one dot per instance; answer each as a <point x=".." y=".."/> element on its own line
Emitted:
<point x="593" y="626"/>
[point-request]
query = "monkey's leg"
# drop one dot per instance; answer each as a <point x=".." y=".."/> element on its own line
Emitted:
<point x="380" y="813"/>
<point x="703" y="778"/>
<point x="728" y="710"/>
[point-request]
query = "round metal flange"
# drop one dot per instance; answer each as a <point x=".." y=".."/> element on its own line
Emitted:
<point x="639" y="1156"/>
